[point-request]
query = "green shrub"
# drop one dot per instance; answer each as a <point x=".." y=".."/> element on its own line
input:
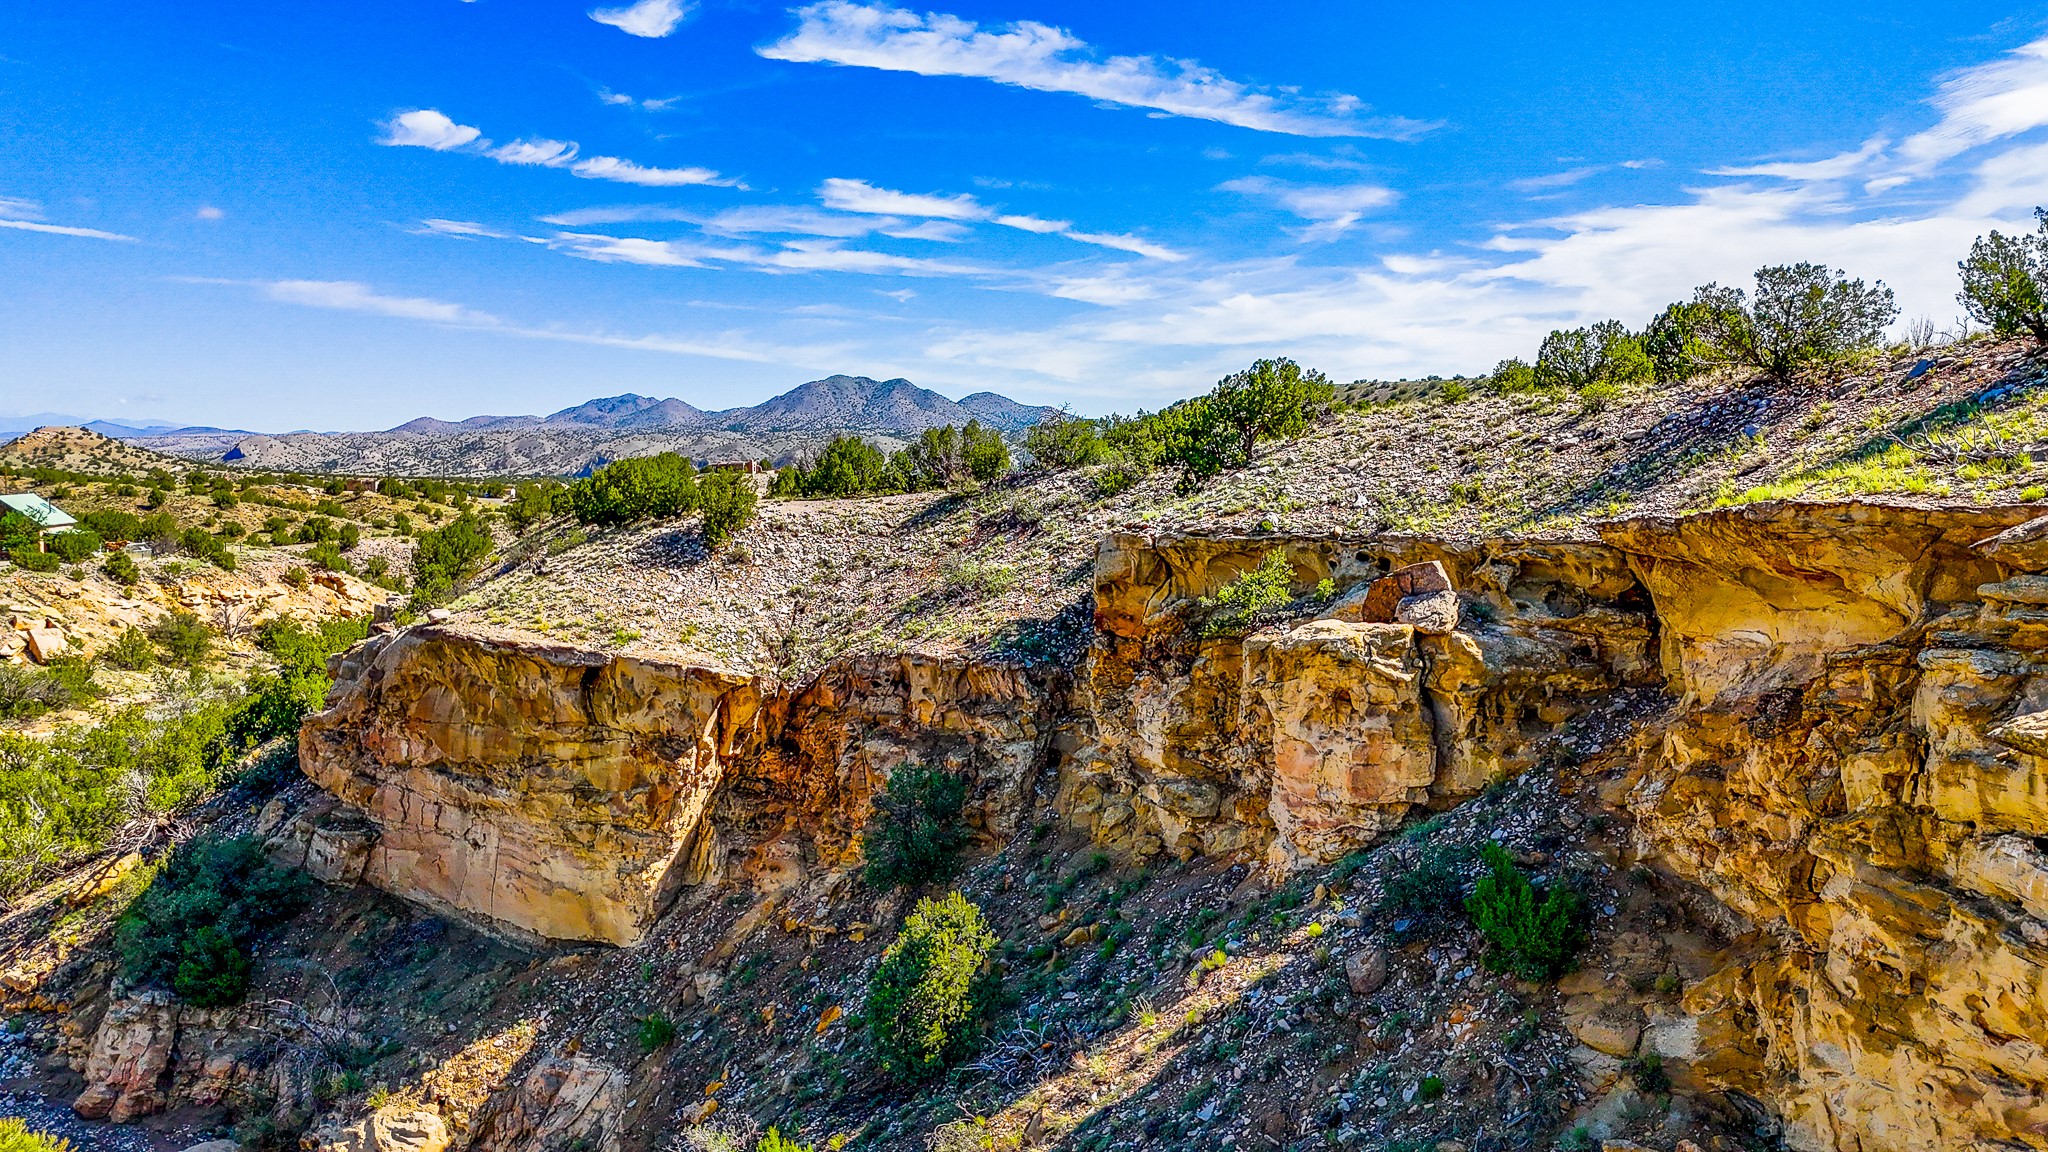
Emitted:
<point x="447" y="556"/>
<point x="120" y="567"/>
<point x="183" y="638"/>
<point x="27" y="692"/>
<point x="1511" y="376"/>
<point x="726" y="501"/>
<point x="533" y="503"/>
<point x="1064" y="441"/>
<point x="916" y="829"/>
<point x="28" y="559"/>
<point x="192" y="928"/>
<point x="2005" y="282"/>
<point x="655" y="1031"/>
<point x="650" y="487"/>
<point x="1801" y="315"/>
<point x="327" y="557"/>
<point x="1598" y="396"/>
<point x="15" y="1136"/>
<point x="929" y="993"/>
<point x="1430" y="889"/>
<point x="131" y="651"/>
<point x="1242" y="604"/>
<point x="774" y="1141"/>
<point x="1535" y="939"/>
<point x="849" y="466"/>
<point x="297" y="577"/>
<point x="73" y="547"/>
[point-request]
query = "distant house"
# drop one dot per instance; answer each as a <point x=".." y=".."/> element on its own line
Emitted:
<point x="51" y="517"/>
<point x="750" y="467"/>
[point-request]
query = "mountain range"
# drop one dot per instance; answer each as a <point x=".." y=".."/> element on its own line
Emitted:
<point x="575" y="439"/>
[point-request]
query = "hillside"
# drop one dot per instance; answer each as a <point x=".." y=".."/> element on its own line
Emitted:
<point x="1747" y="668"/>
<point x="570" y="441"/>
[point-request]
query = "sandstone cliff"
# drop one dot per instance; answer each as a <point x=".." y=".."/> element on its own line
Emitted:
<point x="1848" y="761"/>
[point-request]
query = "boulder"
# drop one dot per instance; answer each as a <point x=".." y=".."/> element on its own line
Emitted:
<point x="45" y="644"/>
<point x="1366" y="970"/>
<point x="392" y="1128"/>
<point x="1431" y="613"/>
<point x="130" y="1059"/>
<point x="1380" y="601"/>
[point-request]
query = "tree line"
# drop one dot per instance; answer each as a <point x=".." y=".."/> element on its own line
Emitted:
<point x="938" y="458"/>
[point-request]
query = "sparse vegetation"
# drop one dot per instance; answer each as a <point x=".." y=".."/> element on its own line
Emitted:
<point x="916" y="829"/>
<point x="930" y="993"/>
<point x="1534" y="938"/>
<point x="192" y="929"/>
<point x="1248" y="600"/>
<point x="2005" y="282"/>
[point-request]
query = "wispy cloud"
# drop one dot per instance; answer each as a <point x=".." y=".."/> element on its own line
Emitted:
<point x="354" y="296"/>
<point x="542" y="153"/>
<point x="822" y="254"/>
<point x="627" y="172"/>
<point x="1125" y="242"/>
<point x="429" y="128"/>
<point x="460" y="229"/>
<point x="1980" y="105"/>
<point x="1550" y="180"/>
<point x="621" y="100"/>
<point x="861" y="196"/>
<point x="1332" y="209"/>
<point x="649" y="18"/>
<point x="27" y="216"/>
<point x="1028" y="54"/>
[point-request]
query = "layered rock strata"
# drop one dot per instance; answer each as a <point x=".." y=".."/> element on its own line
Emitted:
<point x="1851" y="763"/>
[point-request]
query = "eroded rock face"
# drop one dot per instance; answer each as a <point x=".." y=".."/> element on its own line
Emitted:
<point x="1841" y="786"/>
<point x="543" y="790"/>
<point x="1303" y="744"/>
<point x="130" y="1060"/>
<point x="564" y="1101"/>
<point x="552" y="793"/>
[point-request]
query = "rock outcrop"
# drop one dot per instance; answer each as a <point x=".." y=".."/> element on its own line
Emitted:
<point x="1849" y="759"/>
<point x="540" y="789"/>
<point x="1304" y="744"/>
<point x="552" y="793"/>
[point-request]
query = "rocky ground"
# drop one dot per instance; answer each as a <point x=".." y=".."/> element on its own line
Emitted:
<point x="1004" y="570"/>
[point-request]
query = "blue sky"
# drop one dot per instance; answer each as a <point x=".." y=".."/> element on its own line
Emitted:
<point x="344" y="216"/>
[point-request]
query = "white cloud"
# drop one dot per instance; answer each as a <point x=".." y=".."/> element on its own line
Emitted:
<point x="627" y="172"/>
<point x="62" y="230"/>
<point x="1564" y="179"/>
<point x="649" y="18"/>
<point x="1125" y="242"/>
<point x="460" y="229"/>
<point x="807" y="255"/>
<point x="943" y="231"/>
<point x="353" y="296"/>
<point x="1827" y="168"/>
<point x="1980" y="105"/>
<point x="1332" y="209"/>
<point x="427" y="128"/>
<point x="544" y="153"/>
<point x="208" y="212"/>
<point x="1034" y="224"/>
<point x="1037" y="56"/>
<point x="861" y="196"/>
<point x="27" y="216"/>
<point x="620" y="99"/>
